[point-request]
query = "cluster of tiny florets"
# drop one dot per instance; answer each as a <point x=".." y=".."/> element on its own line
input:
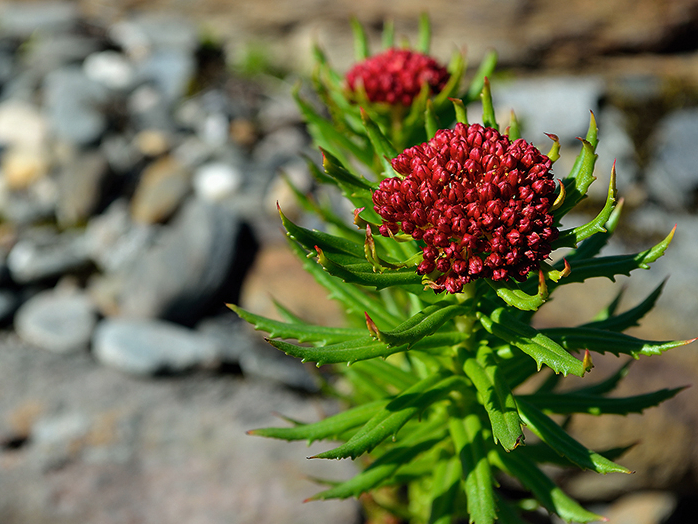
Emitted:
<point x="479" y="202"/>
<point x="397" y="75"/>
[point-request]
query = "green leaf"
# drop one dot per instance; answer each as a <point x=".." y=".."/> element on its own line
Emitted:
<point x="591" y="247"/>
<point x="550" y="496"/>
<point x="606" y="385"/>
<point x="466" y="433"/>
<point x="431" y="123"/>
<point x="582" y="174"/>
<point x="532" y="342"/>
<point x="566" y="403"/>
<point x="381" y="143"/>
<point x="424" y="38"/>
<point x="496" y="398"/>
<point x="383" y="371"/>
<point x="388" y="36"/>
<point x="387" y="464"/>
<point x="514" y="130"/>
<point x="327" y="136"/>
<point x="329" y="428"/>
<point x="335" y="168"/>
<point x="401" y="409"/>
<point x="363" y="273"/>
<point x="362" y="348"/>
<point x="602" y="341"/>
<point x="571" y="237"/>
<point x="488" y="116"/>
<point x="423" y="324"/>
<point x="354" y="300"/>
<point x="558" y="439"/>
<point x="452" y="87"/>
<point x="361" y="51"/>
<point x="611" y="266"/>
<point x="302" y="332"/>
<point x="516" y="297"/>
<point x="477" y="83"/>
<point x="311" y="239"/>
<point x="460" y="110"/>
<point x="506" y="512"/>
<point x="444" y="490"/>
<point x="631" y="317"/>
<point x="541" y="453"/>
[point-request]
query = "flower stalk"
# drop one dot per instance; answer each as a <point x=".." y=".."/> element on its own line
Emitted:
<point x="441" y="270"/>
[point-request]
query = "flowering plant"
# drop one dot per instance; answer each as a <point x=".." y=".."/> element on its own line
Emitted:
<point x="441" y="273"/>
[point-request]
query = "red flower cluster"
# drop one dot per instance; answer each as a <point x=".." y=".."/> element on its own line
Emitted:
<point x="479" y="202"/>
<point x="397" y="75"/>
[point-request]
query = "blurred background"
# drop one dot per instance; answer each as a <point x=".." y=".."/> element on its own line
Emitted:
<point x="141" y="151"/>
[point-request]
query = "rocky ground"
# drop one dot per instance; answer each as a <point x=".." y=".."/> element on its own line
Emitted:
<point x="139" y="175"/>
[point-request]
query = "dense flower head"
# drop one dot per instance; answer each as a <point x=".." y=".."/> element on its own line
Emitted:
<point x="479" y="202"/>
<point x="397" y="75"/>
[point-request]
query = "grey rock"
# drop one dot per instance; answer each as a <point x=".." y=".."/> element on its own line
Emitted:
<point x="149" y="109"/>
<point x="43" y="253"/>
<point x="22" y="124"/>
<point x="114" y="242"/>
<point x="189" y="268"/>
<point x="146" y="347"/>
<point x="80" y="184"/>
<point x="672" y="176"/>
<point x="73" y="103"/>
<point x="9" y="301"/>
<point x="58" y="321"/>
<point x="22" y="19"/>
<point x="557" y="105"/>
<point x="49" y="52"/>
<point x="216" y="181"/>
<point x="161" y="189"/>
<point x="169" y="70"/>
<point x="155" y="450"/>
<point x="121" y="153"/>
<point x="111" y="68"/>
<point x="152" y="31"/>
<point x="36" y="203"/>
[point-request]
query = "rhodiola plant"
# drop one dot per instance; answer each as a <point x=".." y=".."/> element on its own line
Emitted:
<point x="440" y="271"/>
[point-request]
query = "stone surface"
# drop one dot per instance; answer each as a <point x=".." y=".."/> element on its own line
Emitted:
<point x="190" y="267"/>
<point x="161" y="189"/>
<point x="216" y="181"/>
<point x="147" y="347"/>
<point x="80" y="188"/>
<point x="58" y="321"/>
<point x="73" y="102"/>
<point x="108" y="448"/>
<point x="45" y="254"/>
<point x="110" y="68"/>
<point x="647" y="507"/>
<point x="672" y="176"/>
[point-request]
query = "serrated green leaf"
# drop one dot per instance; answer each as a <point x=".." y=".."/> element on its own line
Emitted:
<point x="382" y="145"/>
<point x="466" y="433"/>
<point x="506" y="512"/>
<point x="460" y="110"/>
<point x="329" y="428"/>
<point x="606" y="385"/>
<point x="452" y="87"/>
<point x="541" y="453"/>
<point x="591" y="247"/>
<point x="582" y="174"/>
<point x="354" y="300"/>
<point x="566" y="403"/>
<point x="571" y="237"/>
<point x="488" y="116"/>
<point x="550" y="496"/>
<point x="431" y="123"/>
<point x="361" y="348"/>
<point x="401" y="409"/>
<point x="496" y="398"/>
<point x="512" y="295"/>
<point x="302" y="332"/>
<point x="388" y="35"/>
<point x="602" y="341"/>
<point x="387" y="464"/>
<point x="424" y="323"/>
<point x="629" y="318"/>
<point x="611" y="266"/>
<point x="360" y="272"/>
<point x="444" y="490"/>
<point x="361" y="51"/>
<point x="486" y="68"/>
<point x="334" y="167"/>
<point x="384" y="371"/>
<point x="532" y="342"/>
<point x="557" y="438"/>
